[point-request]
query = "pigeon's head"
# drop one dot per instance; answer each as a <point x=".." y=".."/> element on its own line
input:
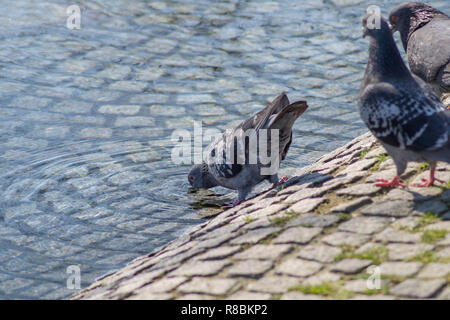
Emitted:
<point x="199" y="177"/>
<point x="375" y="26"/>
<point x="409" y="16"/>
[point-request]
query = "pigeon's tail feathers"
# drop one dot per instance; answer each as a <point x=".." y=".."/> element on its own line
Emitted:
<point x="285" y="118"/>
<point x="262" y="117"/>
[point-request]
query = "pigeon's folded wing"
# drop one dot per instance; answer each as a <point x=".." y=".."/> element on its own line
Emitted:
<point x="405" y="120"/>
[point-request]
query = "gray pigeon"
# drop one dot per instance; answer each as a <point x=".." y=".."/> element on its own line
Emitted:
<point x="425" y="35"/>
<point x="400" y="109"/>
<point x="235" y="160"/>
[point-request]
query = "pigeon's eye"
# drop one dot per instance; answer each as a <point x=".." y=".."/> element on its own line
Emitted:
<point x="394" y="18"/>
<point x="191" y="178"/>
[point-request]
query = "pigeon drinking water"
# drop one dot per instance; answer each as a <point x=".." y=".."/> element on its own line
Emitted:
<point x="425" y="35"/>
<point x="238" y="159"/>
<point x="400" y="109"/>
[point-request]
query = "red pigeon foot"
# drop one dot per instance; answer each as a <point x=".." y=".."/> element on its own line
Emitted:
<point x="390" y="184"/>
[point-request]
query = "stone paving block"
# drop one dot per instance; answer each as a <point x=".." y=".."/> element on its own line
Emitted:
<point x="250" y="268"/>
<point x="400" y="251"/>
<point x="350" y="266"/>
<point x="352" y="205"/>
<point x="359" y="190"/>
<point x="419" y="289"/>
<point x="392" y="235"/>
<point x="435" y="270"/>
<point x="300" y="235"/>
<point x="254" y="236"/>
<point x="445" y="294"/>
<point x="298" y="268"/>
<point x="322" y="277"/>
<point x="200" y="268"/>
<point x="314" y="220"/>
<point x="345" y="238"/>
<point x="300" y="296"/>
<point x="164" y="285"/>
<point x="320" y="253"/>
<point x="432" y="206"/>
<point x="400" y="269"/>
<point x="273" y="284"/>
<point x="246" y="295"/>
<point x="263" y="252"/>
<point x="306" y="205"/>
<point x="442" y="225"/>
<point x="218" y="253"/>
<point x="444" y="253"/>
<point x="364" y="225"/>
<point x="215" y="287"/>
<point x="388" y="208"/>
<point x="304" y="194"/>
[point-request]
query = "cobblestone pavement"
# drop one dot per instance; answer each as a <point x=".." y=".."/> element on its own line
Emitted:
<point x="330" y="233"/>
<point x="86" y="117"/>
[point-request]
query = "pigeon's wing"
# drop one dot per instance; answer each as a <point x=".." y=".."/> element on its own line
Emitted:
<point x="405" y="120"/>
<point x="283" y="121"/>
<point x="428" y="49"/>
<point x="429" y="92"/>
<point x="222" y="156"/>
<point x="260" y="119"/>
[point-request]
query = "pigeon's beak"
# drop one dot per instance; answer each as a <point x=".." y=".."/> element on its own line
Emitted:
<point x="392" y="27"/>
<point x="364" y="32"/>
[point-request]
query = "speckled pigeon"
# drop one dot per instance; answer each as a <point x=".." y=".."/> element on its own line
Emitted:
<point x="425" y="35"/>
<point x="227" y="165"/>
<point x="400" y="109"/>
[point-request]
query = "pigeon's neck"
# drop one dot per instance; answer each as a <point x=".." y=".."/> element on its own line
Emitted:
<point x="384" y="61"/>
<point x="417" y="21"/>
<point x="208" y="180"/>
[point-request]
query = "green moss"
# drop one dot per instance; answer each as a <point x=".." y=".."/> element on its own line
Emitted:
<point x="425" y="257"/>
<point x="428" y="218"/>
<point x="381" y="158"/>
<point x="363" y="153"/>
<point x="431" y="236"/>
<point x="377" y="254"/>
<point x="423" y="167"/>
<point x="331" y="290"/>
<point x="275" y="297"/>
<point x="248" y="219"/>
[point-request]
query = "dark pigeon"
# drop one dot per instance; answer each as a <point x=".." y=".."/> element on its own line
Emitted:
<point x="425" y="35"/>
<point x="232" y="160"/>
<point x="400" y="109"/>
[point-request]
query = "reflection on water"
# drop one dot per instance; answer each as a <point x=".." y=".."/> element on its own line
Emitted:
<point x="86" y="117"/>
